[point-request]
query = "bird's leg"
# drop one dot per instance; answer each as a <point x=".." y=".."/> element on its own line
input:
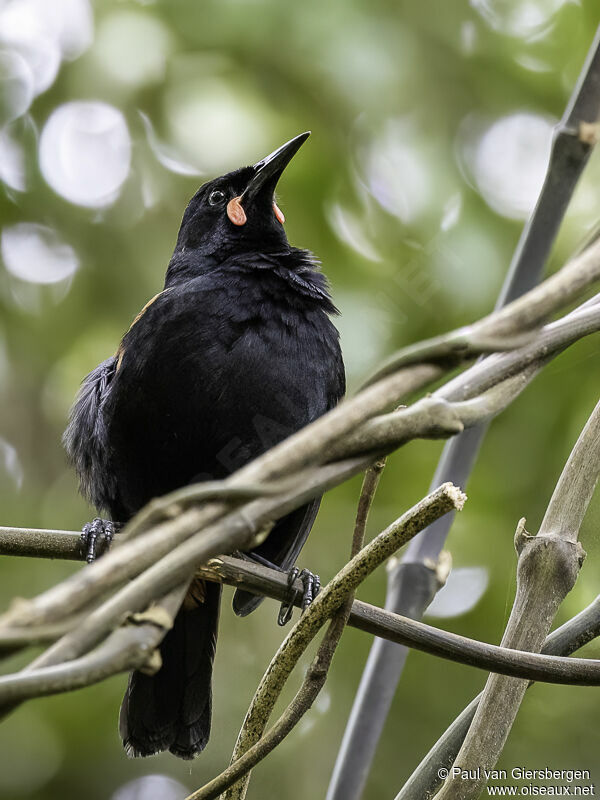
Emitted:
<point x="97" y="529"/>
<point x="311" y="586"/>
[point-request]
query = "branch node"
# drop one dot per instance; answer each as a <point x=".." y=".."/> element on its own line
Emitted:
<point x="443" y="567"/>
<point x="154" y="615"/>
<point x="152" y="664"/>
<point x="589" y="132"/>
<point x="521" y="535"/>
<point x="261" y="535"/>
<point x="549" y="557"/>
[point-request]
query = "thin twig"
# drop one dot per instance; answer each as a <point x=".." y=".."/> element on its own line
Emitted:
<point x="171" y="505"/>
<point x="413" y="584"/>
<point x="129" y="647"/>
<point x="505" y="328"/>
<point x="173" y="542"/>
<point x="233" y="532"/>
<point x="364" y="617"/>
<point x="425" y="780"/>
<point x="439" y="502"/>
<point x="316" y="675"/>
<point x="548" y="566"/>
<point x="39" y="543"/>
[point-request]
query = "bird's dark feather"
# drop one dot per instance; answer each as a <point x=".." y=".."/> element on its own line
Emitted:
<point x="172" y="709"/>
<point x="86" y="439"/>
<point x="235" y="356"/>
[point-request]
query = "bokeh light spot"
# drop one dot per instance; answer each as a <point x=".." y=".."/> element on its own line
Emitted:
<point x="132" y="47"/>
<point x="461" y="593"/>
<point x="11" y="471"/>
<point x="68" y="24"/>
<point x="12" y="160"/>
<point x="166" y="154"/>
<point x="522" y="18"/>
<point x="151" y="787"/>
<point x="85" y="152"/>
<point x="397" y="172"/>
<point x="34" y="253"/>
<point x="16" y="86"/>
<point x="509" y="160"/>
<point x="44" y="32"/>
<point x="217" y="127"/>
<point x="349" y="228"/>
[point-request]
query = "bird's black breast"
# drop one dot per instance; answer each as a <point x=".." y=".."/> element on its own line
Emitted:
<point x="214" y="372"/>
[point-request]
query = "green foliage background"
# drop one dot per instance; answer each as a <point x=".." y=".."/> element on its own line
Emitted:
<point x="361" y="75"/>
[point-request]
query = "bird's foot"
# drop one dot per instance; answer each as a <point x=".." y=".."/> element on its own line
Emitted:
<point x="98" y="530"/>
<point x="311" y="584"/>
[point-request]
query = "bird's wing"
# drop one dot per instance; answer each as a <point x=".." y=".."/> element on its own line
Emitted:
<point x="284" y="543"/>
<point x="281" y="548"/>
<point x="86" y="438"/>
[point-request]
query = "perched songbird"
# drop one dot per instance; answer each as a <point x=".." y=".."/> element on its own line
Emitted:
<point x="237" y="352"/>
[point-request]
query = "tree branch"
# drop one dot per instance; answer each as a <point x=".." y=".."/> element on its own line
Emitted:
<point x="132" y="646"/>
<point x="439" y="502"/>
<point x="413" y="584"/>
<point x="548" y="566"/>
<point x="315" y="677"/>
<point x="130" y="557"/>
<point x="425" y="780"/>
<point x="364" y="617"/>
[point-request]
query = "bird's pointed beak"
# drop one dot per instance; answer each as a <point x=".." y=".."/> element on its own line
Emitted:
<point x="269" y="170"/>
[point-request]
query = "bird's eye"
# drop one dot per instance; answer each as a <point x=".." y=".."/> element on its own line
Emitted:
<point x="216" y="197"/>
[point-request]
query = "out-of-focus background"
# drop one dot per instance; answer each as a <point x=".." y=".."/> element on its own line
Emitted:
<point x="431" y="129"/>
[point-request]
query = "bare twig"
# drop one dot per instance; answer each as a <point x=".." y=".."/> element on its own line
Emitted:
<point x="234" y="531"/>
<point x="413" y="584"/>
<point x="19" y="638"/>
<point x="129" y="647"/>
<point x="171" y="505"/>
<point x="365" y="617"/>
<point x="439" y="502"/>
<point x="547" y="569"/>
<point x="37" y="543"/>
<point x="425" y="780"/>
<point x="315" y="677"/>
<point x="434" y="417"/>
<point x="506" y="327"/>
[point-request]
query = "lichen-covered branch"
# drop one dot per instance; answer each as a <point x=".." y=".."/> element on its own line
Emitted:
<point x="131" y="646"/>
<point x="364" y="617"/>
<point x="439" y="502"/>
<point x="315" y="677"/>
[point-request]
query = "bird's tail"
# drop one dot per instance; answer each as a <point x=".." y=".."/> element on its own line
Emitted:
<point x="171" y="710"/>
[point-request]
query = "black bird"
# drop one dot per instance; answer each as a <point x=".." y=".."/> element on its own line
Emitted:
<point x="233" y="355"/>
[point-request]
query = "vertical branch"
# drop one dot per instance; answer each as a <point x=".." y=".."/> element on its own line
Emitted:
<point x="548" y="566"/>
<point x="425" y="780"/>
<point x="413" y="584"/>
<point x="315" y="677"/>
<point x="332" y="596"/>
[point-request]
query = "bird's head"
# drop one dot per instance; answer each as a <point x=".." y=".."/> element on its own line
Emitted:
<point x="237" y="212"/>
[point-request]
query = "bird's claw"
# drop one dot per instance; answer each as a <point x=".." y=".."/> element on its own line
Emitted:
<point x="98" y="529"/>
<point x="311" y="584"/>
